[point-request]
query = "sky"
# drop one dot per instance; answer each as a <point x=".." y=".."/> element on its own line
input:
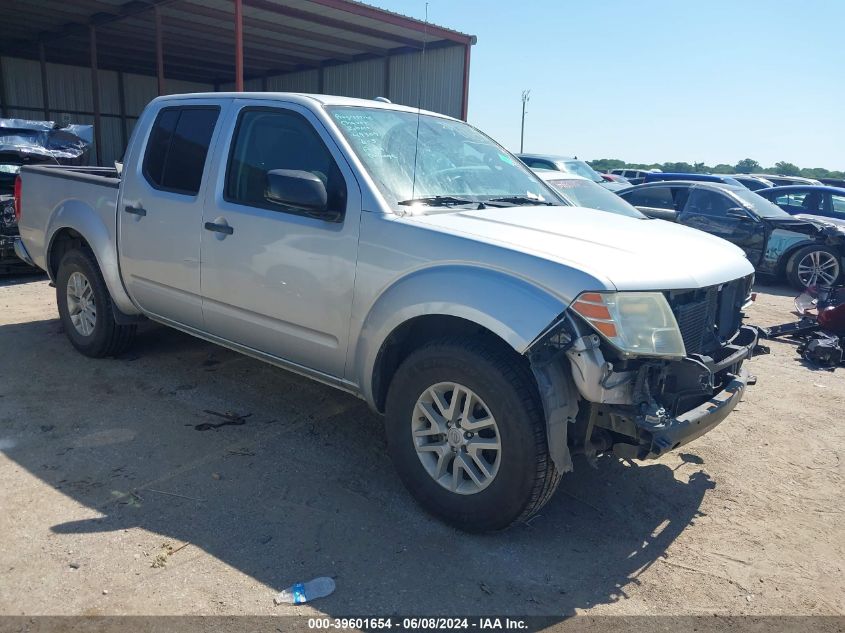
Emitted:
<point x="656" y="80"/>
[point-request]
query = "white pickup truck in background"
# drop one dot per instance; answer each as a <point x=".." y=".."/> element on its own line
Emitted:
<point x="405" y="257"/>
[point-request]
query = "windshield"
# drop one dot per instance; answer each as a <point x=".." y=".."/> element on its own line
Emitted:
<point x="583" y="193"/>
<point x="759" y="205"/>
<point x="580" y="168"/>
<point x="452" y="160"/>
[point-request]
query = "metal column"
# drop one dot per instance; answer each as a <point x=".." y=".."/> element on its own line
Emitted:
<point x="239" y="46"/>
<point x="159" y="51"/>
<point x="95" y="89"/>
<point x="42" y="57"/>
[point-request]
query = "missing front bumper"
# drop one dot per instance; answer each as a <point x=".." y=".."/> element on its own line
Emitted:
<point x="652" y="436"/>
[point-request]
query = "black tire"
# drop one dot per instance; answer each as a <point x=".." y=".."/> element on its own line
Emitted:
<point x="801" y="254"/>
<point x="108" y="337"/>
<point x="526" y="477"/>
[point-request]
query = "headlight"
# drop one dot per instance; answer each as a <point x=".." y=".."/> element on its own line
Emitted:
<point x="639" y="323"/>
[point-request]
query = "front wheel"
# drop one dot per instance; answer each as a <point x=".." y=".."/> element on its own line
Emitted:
<point x="466" y="432"/>
<point x="85" y="307"/>
<point x="814" y="265"/>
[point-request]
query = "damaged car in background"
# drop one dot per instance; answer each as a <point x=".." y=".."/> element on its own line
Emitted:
<point x="407" y="258"/>
<point x="807" y="253"/>
<point x="24" y="142"/>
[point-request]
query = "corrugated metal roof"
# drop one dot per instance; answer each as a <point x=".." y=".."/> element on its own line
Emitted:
<point x="279" y="35"/>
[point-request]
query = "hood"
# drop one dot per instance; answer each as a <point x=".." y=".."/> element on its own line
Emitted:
<point x="819" y="219"/>
<point x="631" y="253"/>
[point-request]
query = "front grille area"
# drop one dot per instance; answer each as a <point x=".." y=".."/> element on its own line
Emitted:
<point x="709" y="316"/>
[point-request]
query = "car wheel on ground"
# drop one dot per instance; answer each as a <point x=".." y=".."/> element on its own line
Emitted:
<point x="466" y="432"/>
<point x="813" y="265"/>
<point x="85" y="307"/>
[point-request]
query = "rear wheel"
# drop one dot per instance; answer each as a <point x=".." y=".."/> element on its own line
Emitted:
<point x="85" y="307"/>
<point x="466" y="432"/>
<point x="814" y="266"/>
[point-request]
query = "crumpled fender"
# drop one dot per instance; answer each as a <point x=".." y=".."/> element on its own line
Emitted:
<point x="512" y="308"/>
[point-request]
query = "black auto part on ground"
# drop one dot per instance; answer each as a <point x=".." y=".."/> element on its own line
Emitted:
<point x="821" y="329"/>
<point x="24" y="142"/>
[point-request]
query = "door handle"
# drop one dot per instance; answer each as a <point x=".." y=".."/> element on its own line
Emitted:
<point x="219" y="228"/>
<point x="139" y="211"/>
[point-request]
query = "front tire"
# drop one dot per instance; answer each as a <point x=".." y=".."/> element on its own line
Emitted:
<point x="814" y="265"/>
<point x="85" y="307"/>
<point x="466" y="432"/>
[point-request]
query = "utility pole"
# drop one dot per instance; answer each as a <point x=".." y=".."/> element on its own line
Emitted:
<point x="526" y="96"/>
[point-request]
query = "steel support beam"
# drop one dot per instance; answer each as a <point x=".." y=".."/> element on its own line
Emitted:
<point x="95" y="93"/>
<point x="4" y="110"/>
<point x="121" y="103"/>
<point x="465" y="97"/>
<point x="159" y="52"/>
<point x="239" y="46"/>
<point x="45" y="96"/>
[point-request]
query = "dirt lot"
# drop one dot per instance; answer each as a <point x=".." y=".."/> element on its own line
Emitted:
<point x="103" y="473"/>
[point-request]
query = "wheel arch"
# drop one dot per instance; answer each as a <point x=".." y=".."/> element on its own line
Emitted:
<point x="447" y="300"/>
<point x="76" y="223"/>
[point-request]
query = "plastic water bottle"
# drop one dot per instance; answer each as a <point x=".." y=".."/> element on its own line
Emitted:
<point x="303" y="592"/>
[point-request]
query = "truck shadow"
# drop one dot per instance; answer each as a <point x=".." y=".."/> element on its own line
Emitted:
<point x="304" y="487"/>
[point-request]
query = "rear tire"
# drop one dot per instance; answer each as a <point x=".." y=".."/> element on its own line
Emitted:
<point x="814" y="265"/>
<point x="85" y="307"/>
<point x="505" y="410"/>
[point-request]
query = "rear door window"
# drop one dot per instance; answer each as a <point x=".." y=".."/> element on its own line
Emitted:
<point x="177" y="148"/>
<point x="652" y="197"/>
<point x="708" y="202"/>
<point x="837" y="205"/>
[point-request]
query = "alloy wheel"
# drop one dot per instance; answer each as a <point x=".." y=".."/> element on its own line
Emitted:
<point x="81" y="306"/>
<point x="818" y="267"/>
<point x="456" y="438"/>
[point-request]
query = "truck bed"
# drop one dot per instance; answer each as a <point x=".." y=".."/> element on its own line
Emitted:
<point x="48" y="204"/>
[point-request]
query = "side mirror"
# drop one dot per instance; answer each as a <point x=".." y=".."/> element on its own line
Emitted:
<point x="299" y="189"/>
<point x="738" y="213"/>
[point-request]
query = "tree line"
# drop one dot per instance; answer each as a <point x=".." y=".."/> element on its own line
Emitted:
<point x="745" y="166"/>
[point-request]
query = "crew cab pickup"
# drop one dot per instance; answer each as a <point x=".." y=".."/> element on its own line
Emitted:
<point x="405" y="257"/>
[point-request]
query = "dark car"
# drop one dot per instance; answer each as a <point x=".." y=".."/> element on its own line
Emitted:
<point x="780" y="180"/>
<point x="755" y="183"/>
<point x="660" y="176"/>
<point x="807" y="253"/>
<point x="825" y="203"/>
<point x="833" y="182"/>
<point x="24" y="142"/>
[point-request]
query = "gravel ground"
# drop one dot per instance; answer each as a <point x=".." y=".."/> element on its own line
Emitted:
<point x="114" y="503"/>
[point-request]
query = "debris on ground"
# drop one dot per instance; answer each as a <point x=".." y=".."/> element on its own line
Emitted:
<point x="230" y="418"/>
<point x="167" y="550"/>
<point x="303" y="592"/>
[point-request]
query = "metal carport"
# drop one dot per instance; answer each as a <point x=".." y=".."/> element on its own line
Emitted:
<point x="101" y="61"/>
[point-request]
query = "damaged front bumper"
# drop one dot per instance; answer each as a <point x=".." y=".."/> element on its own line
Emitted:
<point x="651" y="429"/>
<point x="638" y="408"/>
<point x="673" y="432"/>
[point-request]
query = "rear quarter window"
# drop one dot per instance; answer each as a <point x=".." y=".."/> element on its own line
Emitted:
<point x="177" y="148"/>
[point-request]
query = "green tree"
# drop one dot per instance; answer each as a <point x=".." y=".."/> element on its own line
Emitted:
<point x="723" y="168"/>
<point x="606" y="164"/>
<point x="815" y="172"/>
<point x="786" y="169"/>
<point x="748" y="166"/>
<point x="684" y="168"/>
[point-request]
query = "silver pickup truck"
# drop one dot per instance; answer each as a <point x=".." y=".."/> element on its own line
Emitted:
<point x="405" y="257"/>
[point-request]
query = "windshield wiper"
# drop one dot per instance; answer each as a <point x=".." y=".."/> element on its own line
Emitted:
<point x="521" y="200"/>
<point x="440" y="201"/>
